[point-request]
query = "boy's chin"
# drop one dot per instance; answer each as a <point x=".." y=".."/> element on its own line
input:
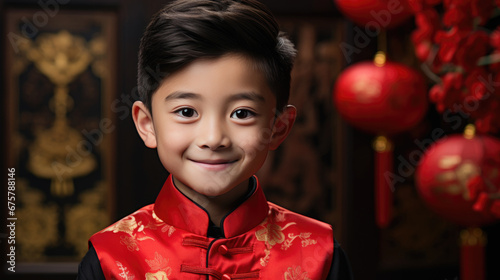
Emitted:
<point x="215" y="191"/>
<point x="221" y="190"/>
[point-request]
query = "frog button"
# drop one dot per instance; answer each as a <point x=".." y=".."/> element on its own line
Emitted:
<point x="223" y="250"/>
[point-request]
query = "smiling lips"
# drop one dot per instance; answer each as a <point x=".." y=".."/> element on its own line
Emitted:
<point x="214" y="165"/>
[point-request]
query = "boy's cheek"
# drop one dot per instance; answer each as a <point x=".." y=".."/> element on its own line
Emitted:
<point x="172" y="142"/>
<point x="174" y="134"/>
<point x="255" y="146"/>
<point x="260" y="138"/>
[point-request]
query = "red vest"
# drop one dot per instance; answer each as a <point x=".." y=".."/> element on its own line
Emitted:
<point x="167" y="240"/>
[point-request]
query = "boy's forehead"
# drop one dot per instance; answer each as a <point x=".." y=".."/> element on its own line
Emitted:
<point x="233" y="75"/>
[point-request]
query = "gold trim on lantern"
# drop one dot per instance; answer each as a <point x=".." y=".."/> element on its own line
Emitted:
<point x="382" y="144"/>
<point x="380" y="59"/>
<point x="473" y="237"/>
<point x="470" y="131"/>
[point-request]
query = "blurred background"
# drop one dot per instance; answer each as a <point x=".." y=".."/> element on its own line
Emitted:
<point x="68" y="80"/>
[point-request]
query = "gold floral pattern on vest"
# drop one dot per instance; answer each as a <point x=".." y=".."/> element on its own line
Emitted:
<point x="124" y="273"/>
<point x="272" y="233"/>
<point x="159" y="223"/>
<point x="129" y="242"/>
<point x="135" y="230"/>
<point x="159" y="267"/>
<point x="296" y="274"/>
<point x="304" y="236"/>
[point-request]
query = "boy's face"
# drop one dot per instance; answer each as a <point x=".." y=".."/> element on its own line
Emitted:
<point x="213" y="124"/>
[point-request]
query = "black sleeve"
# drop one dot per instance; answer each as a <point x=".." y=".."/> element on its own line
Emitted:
<point x="90" y="267"/>
<point x="340" y="269"/>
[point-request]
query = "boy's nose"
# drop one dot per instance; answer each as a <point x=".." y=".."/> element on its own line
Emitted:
<point x="212" y="135"/>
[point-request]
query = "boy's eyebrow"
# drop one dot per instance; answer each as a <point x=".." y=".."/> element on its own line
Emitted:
<point x="252" y="96"/>
<point x="182" y="95"/>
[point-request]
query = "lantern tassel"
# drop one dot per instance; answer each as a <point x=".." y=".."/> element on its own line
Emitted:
<point x="472" y="258"/>
<point x="383" y="191"/>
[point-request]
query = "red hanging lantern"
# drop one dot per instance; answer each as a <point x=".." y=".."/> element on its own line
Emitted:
<point x="384" y="98"/>
<point x="387" y="98"/>
<point x="459" y="178"/>
<point x="376" y="13"/>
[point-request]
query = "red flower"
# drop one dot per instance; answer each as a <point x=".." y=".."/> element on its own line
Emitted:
<point x="450" y="3"/>
<point x="482" y="9"/>
<point x="448" y="42"/>
<point x="457" y="16"/>
<point x="427" y="23"/>
<point x="495" y="66"/>
<point x="475" y="185"/>
<point x="448" y="92"/>
<point x="496" y="87"/>
<point x="436" y="94"/>
<point x="420" y="5"/>
<point x="488" y="124"/>
<point x="495" y="207"/>
<point x="416" y="5"/>
<point x="476" y="83"/>
<point x="461" y="45"/>
<point x="452" y="84"/>
<point x="495" y="38"/>
<point x="432" y="2"/>
<point x="423" y="50"/>
<point x="475" y="46"/>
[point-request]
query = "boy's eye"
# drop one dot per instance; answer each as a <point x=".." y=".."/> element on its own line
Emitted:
<point x="186" y="112"/>
<point x="242" y="114"/>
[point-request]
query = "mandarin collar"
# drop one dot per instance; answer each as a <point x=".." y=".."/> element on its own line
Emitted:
<point x="176" y="209"/>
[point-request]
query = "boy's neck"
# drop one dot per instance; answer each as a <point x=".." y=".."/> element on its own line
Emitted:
<point x="217" y="206"/>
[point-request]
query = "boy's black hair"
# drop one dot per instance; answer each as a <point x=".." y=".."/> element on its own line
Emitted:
<point x="187" y="30"/>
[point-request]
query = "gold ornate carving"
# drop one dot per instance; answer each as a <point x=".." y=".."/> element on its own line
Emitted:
<point x="50" y="158"/>
<point x="59" y="85"/>
<point x="85" y="218"/>
<point x="62" y="57"/>
<point x="37" y="224"/>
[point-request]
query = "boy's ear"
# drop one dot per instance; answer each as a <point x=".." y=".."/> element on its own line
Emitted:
<point x="144" y="124"/>
<point x="282" y="126"/>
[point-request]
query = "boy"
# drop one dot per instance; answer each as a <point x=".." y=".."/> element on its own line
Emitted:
<point x="217" y="108"/>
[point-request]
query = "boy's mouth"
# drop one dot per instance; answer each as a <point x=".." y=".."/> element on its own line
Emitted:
<point x="214" y="164"/>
